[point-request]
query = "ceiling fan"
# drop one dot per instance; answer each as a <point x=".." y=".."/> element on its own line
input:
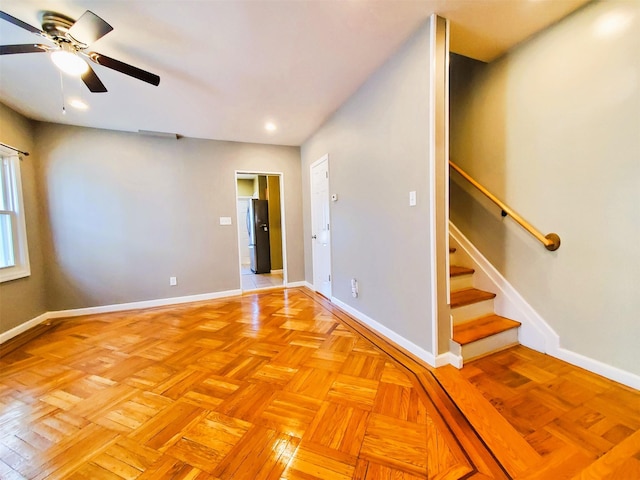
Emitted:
<point x="71" y="40"/>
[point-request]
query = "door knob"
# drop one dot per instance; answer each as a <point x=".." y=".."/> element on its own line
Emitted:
<point x="314" y="237"/>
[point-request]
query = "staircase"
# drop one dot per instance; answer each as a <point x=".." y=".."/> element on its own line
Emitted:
<point x="477" y="330"/>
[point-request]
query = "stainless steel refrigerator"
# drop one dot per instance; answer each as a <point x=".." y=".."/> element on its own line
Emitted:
<point x="258" y="228"/>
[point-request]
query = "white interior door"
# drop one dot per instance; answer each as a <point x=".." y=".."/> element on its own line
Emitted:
<point x="321" y="226"/>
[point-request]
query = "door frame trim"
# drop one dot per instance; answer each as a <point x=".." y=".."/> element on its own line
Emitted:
<point x="240" y="197"/>
<point x="439" y="186"/>
<point x="283" y="221"/>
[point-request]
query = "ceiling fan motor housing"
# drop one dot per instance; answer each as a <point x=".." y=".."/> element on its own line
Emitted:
<point x="56" y="25"/>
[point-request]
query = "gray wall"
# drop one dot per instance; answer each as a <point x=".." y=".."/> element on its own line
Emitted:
<point x="554" y="129"/>
<point x="379" y="151"/>
<point x="24" y="298"/>
<point x="125" y="212"/>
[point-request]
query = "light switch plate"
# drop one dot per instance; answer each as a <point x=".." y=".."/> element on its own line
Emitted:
<point x="225" y="220"/>
<point x="412" y="198"/>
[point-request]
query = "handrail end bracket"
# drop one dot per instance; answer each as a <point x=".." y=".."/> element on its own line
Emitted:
<point x="554" y="242"/>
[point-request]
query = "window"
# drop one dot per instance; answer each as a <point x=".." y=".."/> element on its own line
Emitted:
<point x="14" y="257"/>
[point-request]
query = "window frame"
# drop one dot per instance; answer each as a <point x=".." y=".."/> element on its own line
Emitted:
<point x="13" y="184"/>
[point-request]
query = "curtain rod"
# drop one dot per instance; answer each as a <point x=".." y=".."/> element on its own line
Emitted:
<point x="26" y="154"/>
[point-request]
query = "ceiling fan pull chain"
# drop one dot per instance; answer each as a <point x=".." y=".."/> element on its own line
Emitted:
<point x="64" y="110"/>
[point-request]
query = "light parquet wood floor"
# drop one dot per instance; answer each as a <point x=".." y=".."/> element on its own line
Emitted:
<point x="582" y="426"/>
<point x="284" y="385"/>
<point x="264" y="386"/>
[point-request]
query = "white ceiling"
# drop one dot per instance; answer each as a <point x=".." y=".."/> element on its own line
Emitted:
<point x="229" y="66"/>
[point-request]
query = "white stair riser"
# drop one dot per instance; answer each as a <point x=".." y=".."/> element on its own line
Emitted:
<point x="470" y="312"/>
<point x="455" y="348"/>
<point x="490" y="344"/>
<point x="460" y="282"/>
<point x="460" y="315"/>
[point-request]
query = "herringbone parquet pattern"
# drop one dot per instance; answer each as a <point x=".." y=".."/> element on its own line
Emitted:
<point x="255" y="387"/>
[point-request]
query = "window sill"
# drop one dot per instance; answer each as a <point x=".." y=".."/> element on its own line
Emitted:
<point x="14" y="273"/>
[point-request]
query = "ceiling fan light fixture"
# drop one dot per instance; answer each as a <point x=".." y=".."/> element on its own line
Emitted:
<point x="69" y="62"/>
<point x="78" y="104"/>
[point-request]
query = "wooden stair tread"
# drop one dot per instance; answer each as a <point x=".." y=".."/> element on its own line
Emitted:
<point x="482" y="327"/>
<point x="468" y="296"/>
<point x="456" y="270"/>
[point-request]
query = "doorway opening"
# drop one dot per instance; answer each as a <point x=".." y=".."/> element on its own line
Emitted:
<point x="261" y="232"/>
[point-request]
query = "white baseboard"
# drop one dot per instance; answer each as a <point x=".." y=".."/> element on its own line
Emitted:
<point x="612" y="373"/>
<point x="302" y="283"/>
<point x="23" y="327"/>
<point x="535" y="332"/>
<point x="449" y="358"/>
<point x="398" y="339"/>
<point x="118" y="307"/>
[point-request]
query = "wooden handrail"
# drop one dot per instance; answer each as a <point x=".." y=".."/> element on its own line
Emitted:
<point x="551" y="241"/>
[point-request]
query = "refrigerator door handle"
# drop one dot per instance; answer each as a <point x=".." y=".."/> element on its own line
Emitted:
<point x="248" y="226"/>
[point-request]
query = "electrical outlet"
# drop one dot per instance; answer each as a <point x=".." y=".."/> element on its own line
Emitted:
<point x="354" y="288"/>
<point x="173" y="281"/>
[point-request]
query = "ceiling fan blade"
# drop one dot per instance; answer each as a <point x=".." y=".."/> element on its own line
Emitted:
<point x="89" y="28"/>
<point x="122" y="67"/>
<point x="92" y="82"/>
<point x="27" y="48"/>
<point x="20" y="23"/>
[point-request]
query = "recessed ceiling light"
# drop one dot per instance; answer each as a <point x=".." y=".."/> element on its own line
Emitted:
<point x="270" y="127"/>
<point x="78" y="104"/>
<point x="613" y="23"/>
